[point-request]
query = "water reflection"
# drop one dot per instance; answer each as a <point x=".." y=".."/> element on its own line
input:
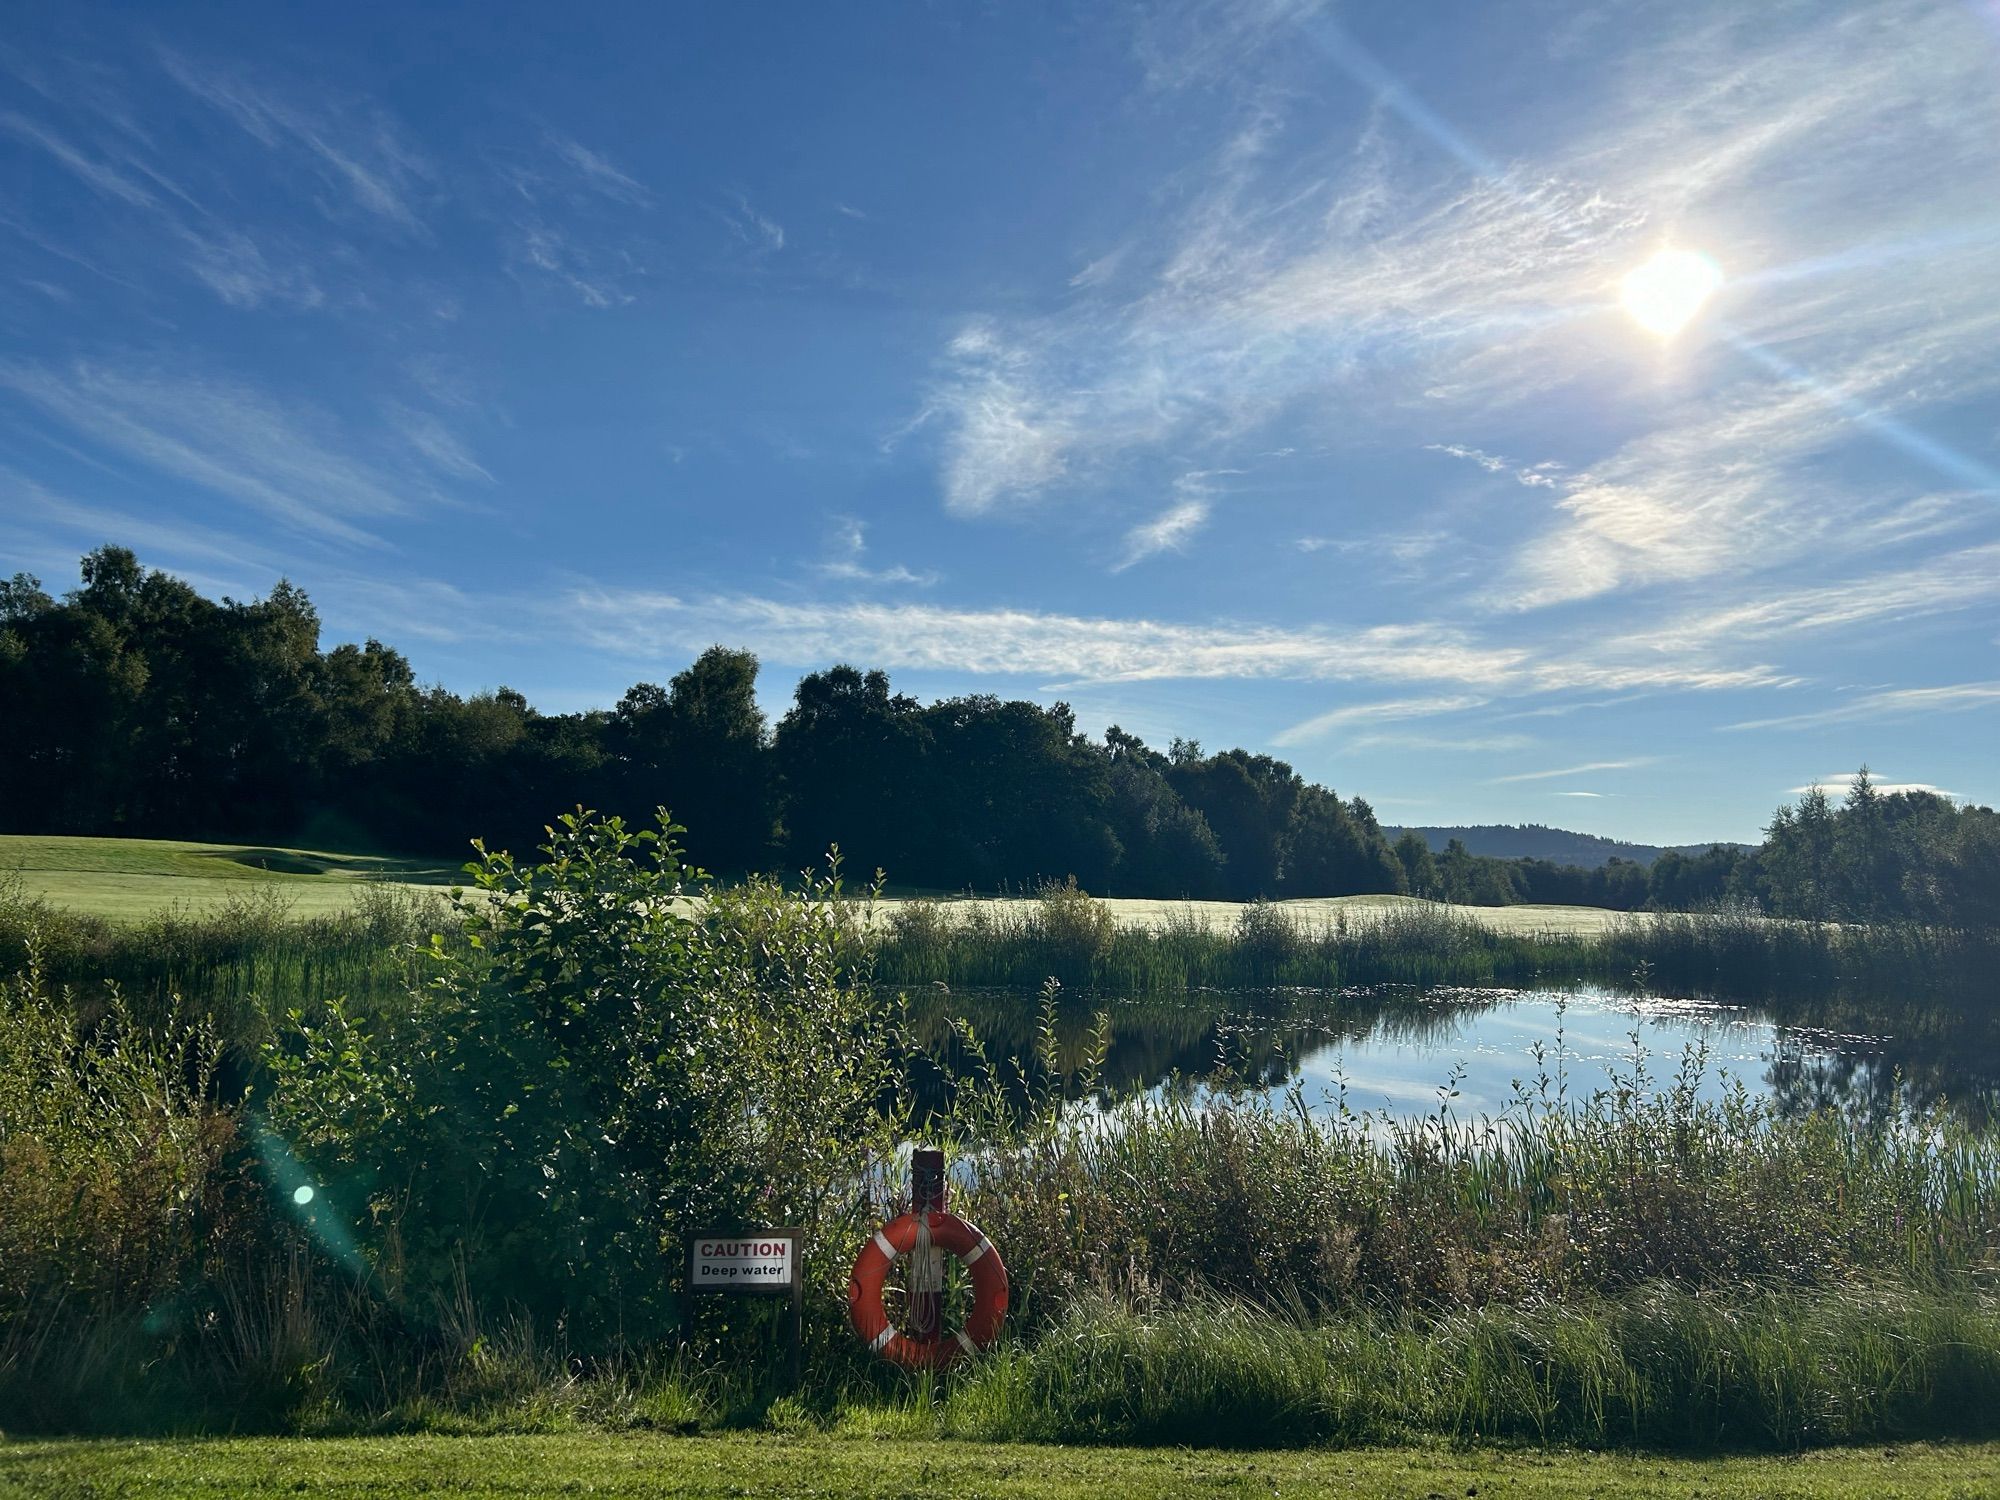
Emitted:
<point x="1392" y="1049"/>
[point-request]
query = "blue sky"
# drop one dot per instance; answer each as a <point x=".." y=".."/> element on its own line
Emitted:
<point x="1257" y="370"/>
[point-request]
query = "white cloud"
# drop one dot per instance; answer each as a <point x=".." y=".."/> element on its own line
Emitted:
<point x="1341" y="279"/>
<point x="758" y="231"/>
<point x="1100" y="270"/>
<point x="1481" y="744"/>
<point x="1172" y="528"/>
<point x="1584" y="769"/>
<point x="595" y="172"/>
<point x="1840" y="784"/>
<point x="848" y="545"/>
<point x="1536" y="476"/>
<point x="1897" y="703"/>
<point x="540" y="247"/>
<point x="1003" y="442"/>
<point x="438" y="445"/>
<point x="1169" y="531"/>
<point x="1200" y="42"/>
<point x="1017" y="642"/>
<point x="284" y="460"/>
<point x="1364" y="713"/>
<point x="235" y="267"/>
<point x="353" y="147"/>
<point x="157" y="536"/>
<point x="105" y="179"/>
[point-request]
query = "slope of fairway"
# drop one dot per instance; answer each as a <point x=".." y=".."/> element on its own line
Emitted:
<point x="763" y="1464"/>
<point x="126" y="879"/>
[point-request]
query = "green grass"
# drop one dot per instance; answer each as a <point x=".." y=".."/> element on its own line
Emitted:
<point x="739" y="1464"/>
<point x="131" y="879"/>
<point x="1134" y="913"/>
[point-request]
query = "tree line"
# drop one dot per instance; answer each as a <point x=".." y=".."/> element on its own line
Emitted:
<point x="135" y="706"/>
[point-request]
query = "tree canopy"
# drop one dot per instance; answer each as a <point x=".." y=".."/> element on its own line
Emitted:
<point x="136" y="706"/>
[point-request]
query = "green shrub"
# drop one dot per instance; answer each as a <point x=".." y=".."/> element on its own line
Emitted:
<point x="596" y="1069"/>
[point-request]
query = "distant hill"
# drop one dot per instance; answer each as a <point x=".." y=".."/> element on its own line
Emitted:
<point x="1557" y="845"/>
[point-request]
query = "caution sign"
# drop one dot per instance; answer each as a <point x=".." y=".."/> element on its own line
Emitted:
<point x="757" y="1260"/>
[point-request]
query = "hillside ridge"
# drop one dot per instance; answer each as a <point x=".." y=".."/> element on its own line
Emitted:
<point x="1560" y="846"/>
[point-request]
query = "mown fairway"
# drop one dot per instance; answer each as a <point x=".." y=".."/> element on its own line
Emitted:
<point x="758" y="1464"/>
<point x="128" y="879"/>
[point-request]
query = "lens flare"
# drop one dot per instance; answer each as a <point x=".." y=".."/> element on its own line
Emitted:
<point x="1665" y="293"/>
<point x="302" y="1195"/>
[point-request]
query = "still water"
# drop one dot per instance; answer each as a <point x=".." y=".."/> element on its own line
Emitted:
<point x="1402" y="1051"/>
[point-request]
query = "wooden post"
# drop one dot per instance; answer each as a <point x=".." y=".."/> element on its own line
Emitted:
<point x="797" y="1321"/>
<point x="927" y="1196"/>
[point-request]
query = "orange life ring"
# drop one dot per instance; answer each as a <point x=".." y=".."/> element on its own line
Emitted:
<point x="890" y="1243"/>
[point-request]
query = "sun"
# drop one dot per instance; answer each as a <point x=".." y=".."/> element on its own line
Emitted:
<point x="1665" y="293"/>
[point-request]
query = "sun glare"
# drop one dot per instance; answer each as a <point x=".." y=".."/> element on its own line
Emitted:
<point x="1665" y="293"/>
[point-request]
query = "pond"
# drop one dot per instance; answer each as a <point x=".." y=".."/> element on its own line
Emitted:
<point x="1401" y="1050"/>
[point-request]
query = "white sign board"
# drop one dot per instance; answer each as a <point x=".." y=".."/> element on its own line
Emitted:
<point x="749" y="1262"/>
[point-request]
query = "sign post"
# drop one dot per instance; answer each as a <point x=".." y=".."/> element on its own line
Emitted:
<point x="757" y="1261"/>
<point x="926" y="1284"/>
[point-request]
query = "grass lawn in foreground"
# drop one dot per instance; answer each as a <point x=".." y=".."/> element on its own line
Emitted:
<point x="763" y="1464"/>
<point x="129" y="879"/>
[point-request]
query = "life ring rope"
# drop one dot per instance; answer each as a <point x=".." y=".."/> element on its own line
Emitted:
<point x="906" y="1235"/>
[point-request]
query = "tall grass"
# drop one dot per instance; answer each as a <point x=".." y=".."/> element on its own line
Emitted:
<point x="1665" y="1367"/>
<point x="243" y="963"/>
<point x="1726" y="954"/>
<point x="1641" y="1266"/>
<point x="1069" y="937"/>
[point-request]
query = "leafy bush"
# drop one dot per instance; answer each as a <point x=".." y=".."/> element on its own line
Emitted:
<point x="112" y="1153"/>
<point x="600" y="1067"/>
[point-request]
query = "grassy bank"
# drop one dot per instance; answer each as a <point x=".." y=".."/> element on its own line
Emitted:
<point x="1643" y="1268"/>
<point x="457" y="1205"/>
<point x="129" y="880"/>
<point x="772" y="1464"/>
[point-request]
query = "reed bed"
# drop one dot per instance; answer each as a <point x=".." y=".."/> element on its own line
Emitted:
<point x="1204" y="1263"/>
<point x="243" y="964"/>
<point x="1729" y="953"/>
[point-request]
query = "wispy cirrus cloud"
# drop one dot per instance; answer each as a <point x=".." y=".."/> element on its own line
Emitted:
<point x="1017" y="642"/>
<point x="848" y="547"/>
<point x="595" y="171"/>
<point x="1173" y="528"/>
<point x="1536" y="476"/>
<point x="1169" y="531"/>
<point x="543" y="249"/>
<point x="1895" y="703"/>
<point x="211" y="555"/>
<point x="1474" y="290"/>
<point x="100" y="176"/>
<point x="568" y="220"/>
<point x="287" y="461"/>
<point x="1466" y="744"/>
<point x="1583" y="770"/>
<point x="359" y="154"/>
<point x="1073" y="649"/>
<point x="1375" y="713"/>
<point x="203" y="225"/>
<point x="757" y="232"/>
